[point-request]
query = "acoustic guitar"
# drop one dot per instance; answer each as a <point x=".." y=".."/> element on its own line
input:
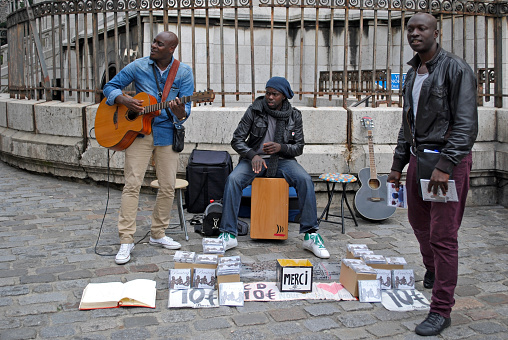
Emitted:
<point x="370" y="200"/>
<point x="116" y="127"/>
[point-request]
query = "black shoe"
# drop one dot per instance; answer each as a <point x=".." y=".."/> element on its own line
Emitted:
<point x="433" y="324"/>
<point x="428" y="279"/>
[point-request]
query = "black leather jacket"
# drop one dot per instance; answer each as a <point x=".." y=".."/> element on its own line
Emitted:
<point x="447" y="111"/>
<point x="253" y="126"/>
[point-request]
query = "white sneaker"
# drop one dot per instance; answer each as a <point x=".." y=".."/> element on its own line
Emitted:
<point x="166" y="242"/>
<point x="229" y="240"/>
<point x="314" y="243"/>
<point x="124" y="254"/>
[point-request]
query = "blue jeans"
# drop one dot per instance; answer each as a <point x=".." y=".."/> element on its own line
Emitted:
<point x="288" y="169"/>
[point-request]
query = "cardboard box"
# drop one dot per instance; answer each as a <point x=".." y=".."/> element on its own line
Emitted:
<point x="294" y="275"/>
<point x="349" y="279"/>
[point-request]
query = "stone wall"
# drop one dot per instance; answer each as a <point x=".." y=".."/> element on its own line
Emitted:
<point x="57" y="138"/>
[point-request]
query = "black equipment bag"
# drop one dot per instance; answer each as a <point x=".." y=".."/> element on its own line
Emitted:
<point x="206" y="173"/>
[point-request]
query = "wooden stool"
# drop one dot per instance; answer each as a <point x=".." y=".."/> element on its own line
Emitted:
<point x="269" y="209"/>
<point x="337" y="178"/>
<point x="180" y="185"/>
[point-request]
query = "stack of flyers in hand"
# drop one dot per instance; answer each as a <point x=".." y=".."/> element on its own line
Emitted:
<point x="229" y="265"/>
<point x="373" y="259"/>
<point x="396" y="260"/>
<point x="206" y="258"/>
<point x="184" y="256"/>
<point x="396" y="198"/>
<point x="213" y="246"/>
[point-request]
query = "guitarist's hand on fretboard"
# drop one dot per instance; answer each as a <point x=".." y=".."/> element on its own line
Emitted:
<point x="132" y="104"/>
<point x="178" y="108"/>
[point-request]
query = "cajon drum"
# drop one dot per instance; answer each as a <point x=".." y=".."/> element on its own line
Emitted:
<point x="269" y="209"/>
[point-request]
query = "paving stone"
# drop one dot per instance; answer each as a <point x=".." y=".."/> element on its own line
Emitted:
<point x="248" y="334"/>
<point x="467" y="303"/>
<point x="250" y="319"/>
<point x="466" y="290"/>
<point x="19" y="334"/>
<point x="43" y="278"/>
<point x="13" y="291"/>
<point x="182" y="315"/>
<point x="48" y="298"/>
<point x="215" y="312"/>
<point x="57" y="331"/>
<point x="320" y="324"/>
<point x="360" y="234"/>
<point x="288" y="314"/>
<point x="351" y="333"/>
<point x="147" y="268"/>
<point x="322" y="309"/>
<point x="353" y="320"/>
<point x="481" y="314"/>
<point x="169" y="331"/>
<point x="140" y="321"/>
<point x="385" y="329"/>
<point x="131" y="333"/>
<point x="283" y="329"/>
<point x="495" y="299"/>
<point x="211" y="324"/>
<point x="487" y="327"/>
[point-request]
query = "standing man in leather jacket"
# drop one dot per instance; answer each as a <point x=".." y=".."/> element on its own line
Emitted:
<point x="440" y="109"/>
<point x="268" y="138"/>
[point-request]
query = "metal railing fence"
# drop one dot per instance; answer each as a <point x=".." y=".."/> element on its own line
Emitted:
<point x="345" y="49"/>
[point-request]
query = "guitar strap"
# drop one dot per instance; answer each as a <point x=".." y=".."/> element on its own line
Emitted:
<point x="169" y="81"/>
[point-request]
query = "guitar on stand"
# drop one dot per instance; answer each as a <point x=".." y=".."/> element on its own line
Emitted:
<point x="370" y="200"/>
<point x="116" y="127"/>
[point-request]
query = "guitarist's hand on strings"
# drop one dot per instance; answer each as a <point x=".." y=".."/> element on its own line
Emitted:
<point x="439" y="179"/>
<point x="178" y="108"/>
<point x="132" y="104"/>
<point x="394" y="177"/>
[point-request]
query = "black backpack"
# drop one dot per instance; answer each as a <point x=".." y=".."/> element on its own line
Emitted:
<point x="206" y="173"/>
<point x="211" y="219"/>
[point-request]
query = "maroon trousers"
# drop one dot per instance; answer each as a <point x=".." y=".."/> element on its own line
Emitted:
<point x="436" y="226"/>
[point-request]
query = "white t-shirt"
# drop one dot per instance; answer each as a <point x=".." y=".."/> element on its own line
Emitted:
<point x="417" y="87"/>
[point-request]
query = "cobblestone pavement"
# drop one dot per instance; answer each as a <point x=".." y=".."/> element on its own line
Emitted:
<point x="49" y="227"/>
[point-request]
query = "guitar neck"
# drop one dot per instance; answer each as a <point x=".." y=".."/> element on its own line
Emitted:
<point x="164" y="105"/>
<point x="373" y="172"/>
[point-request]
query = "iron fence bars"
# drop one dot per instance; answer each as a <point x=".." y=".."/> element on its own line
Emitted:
<point x="340" y="49"/>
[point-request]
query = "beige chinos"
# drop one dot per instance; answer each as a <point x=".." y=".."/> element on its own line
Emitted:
<point x="137" y="157"/>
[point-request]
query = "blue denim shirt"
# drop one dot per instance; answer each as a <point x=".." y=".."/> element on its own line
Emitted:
<point x="140" y="71"/>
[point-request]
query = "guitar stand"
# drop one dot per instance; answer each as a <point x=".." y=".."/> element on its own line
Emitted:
<point x="343" y="200"/>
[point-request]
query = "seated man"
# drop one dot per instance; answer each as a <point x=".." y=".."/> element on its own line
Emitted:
<point x="268" y="138"/>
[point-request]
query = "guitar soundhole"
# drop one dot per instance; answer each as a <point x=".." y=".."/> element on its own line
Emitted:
<point x="374" y="183"/>
<point x="131" y="115"/>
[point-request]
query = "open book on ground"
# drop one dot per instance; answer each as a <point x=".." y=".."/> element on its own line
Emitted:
<point x="135" y="293"/>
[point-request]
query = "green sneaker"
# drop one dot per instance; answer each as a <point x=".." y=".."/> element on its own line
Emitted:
<point x="314" y="243"/>
<point x="229" y="240"/>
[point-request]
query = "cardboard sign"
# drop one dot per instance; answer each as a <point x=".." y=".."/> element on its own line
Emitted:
<point x="193" y="298"/>
<point x="401" y="300"/>
<point x="294" y="275"/>
<point x="268" y="291"/>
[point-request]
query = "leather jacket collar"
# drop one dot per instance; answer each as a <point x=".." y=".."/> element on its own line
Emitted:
<point x="431" y="64"/>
